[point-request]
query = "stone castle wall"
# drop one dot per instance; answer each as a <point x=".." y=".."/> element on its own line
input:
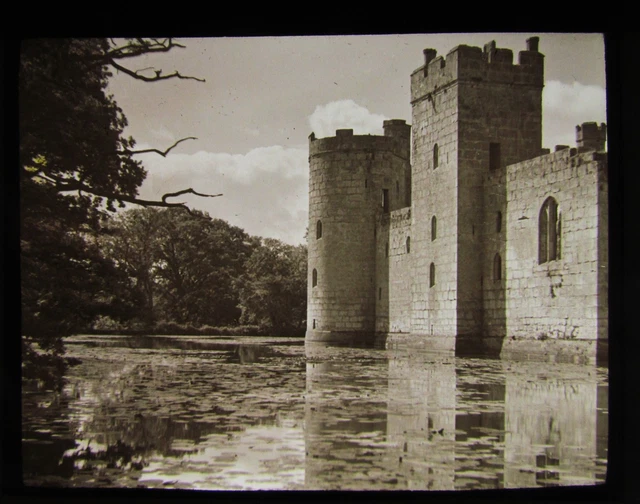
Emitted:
<point x="435" y="194"/>
<point x="394" y="272"/>
<point x="470" y="204"/>
<point x="348" y="175"/>
<point x="556" y="299"/>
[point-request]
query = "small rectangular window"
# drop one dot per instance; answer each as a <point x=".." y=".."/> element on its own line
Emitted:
<point x="494" y="156"/>
<point x="385" y="200"/>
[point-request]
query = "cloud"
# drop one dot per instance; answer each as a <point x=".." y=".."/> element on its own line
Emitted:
<point x="242" y="168"/>
<point x="344" y="114"/>
<point x="567" y="105"/>
<point x="265" y="190"/>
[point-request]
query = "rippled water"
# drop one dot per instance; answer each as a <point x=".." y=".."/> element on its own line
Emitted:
<point x="263" y="413"/>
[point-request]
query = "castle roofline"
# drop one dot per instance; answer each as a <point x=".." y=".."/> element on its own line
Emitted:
<point x="396" y="139"/>
<point x="590" y="141"/>
<point x="490" y="64"/>
<point x="490" y="53"/>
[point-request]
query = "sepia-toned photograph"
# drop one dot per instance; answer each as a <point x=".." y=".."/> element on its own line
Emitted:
<point x="355" y="262"/>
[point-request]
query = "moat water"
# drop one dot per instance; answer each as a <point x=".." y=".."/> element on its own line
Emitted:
<point x="214" y="413"/>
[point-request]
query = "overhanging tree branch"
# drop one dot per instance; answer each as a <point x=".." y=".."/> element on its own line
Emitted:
<point x="188" y="191"/>
<point x="158" y="151"/>
<point x="131" y="50"/>
<point x="158" y="76"/>
<point x="68" y="185"/>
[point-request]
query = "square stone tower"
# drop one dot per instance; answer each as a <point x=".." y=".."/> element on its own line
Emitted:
<point x="473" y="113"/>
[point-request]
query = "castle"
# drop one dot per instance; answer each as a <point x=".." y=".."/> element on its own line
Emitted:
<point x="460" y="232"/>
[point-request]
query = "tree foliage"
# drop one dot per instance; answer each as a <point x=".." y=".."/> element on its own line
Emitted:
<point x="199" y="259"/>
<point x="184" y="265"/>
<point x="274" y="287"/>
<point x="75" y="166"/>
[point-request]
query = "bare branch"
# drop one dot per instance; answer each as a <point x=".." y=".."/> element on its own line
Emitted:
<point x="157" y="77"/>
<point x="132" y="50"/>
<point x="68" y="185"/>
<point x="143" y="69"/>
<point x="188" y="191"/>
<point x="158" y="151"/>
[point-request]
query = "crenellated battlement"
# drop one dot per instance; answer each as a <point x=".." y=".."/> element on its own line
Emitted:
<point x="475" y="64"/>
<point x="591" y="136"/>
<point x="396" y="139"/>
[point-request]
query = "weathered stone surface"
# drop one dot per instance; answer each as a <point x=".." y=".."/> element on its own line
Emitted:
<point x="470" y="205"/>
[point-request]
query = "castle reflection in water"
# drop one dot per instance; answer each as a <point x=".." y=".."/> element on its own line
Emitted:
<point x="210" y="414"/>
<point x="440" y="423"/>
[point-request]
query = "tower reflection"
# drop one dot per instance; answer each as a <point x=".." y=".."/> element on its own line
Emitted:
<point x="417" y="421"/>
<point x="421" y="419"/>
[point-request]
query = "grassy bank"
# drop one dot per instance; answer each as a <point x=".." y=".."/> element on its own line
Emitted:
<point x="172" y="329"/>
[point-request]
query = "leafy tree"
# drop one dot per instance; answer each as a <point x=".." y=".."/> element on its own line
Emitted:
<point x="75" y="166"/>
<point x="131" y="242"/>
<point x="199" y="260"/>
<point x="184" y="266"/>
<point x="274" y="288"/>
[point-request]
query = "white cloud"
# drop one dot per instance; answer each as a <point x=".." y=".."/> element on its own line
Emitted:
<point x="242" y="168"/>
<point x="265" y="190"/>
<point x="567" y="105"/>
<point x="344" y="114"/>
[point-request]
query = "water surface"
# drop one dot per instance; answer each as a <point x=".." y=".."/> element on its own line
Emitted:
<point x="263" y="413"/>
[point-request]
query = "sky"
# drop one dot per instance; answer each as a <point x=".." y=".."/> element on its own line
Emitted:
<point x="263" y="96"/>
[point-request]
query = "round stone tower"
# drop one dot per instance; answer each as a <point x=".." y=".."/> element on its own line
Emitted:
<point x="353" y="182"/>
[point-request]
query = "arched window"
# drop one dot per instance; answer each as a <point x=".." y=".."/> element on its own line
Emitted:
<point x="435" y="156"/>
<point x="497" y="267"/>
<point x="314" y="278"/>
<point x="498" y="222"/>
<point x="318" y="230"/>
<point x="432" y="275"/>
<point x="408" y="244"/>
<point x="434" y="227"/>
<point x="549" y="231"/>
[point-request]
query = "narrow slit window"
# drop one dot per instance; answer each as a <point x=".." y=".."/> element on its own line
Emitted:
<point x="497" y="267"/>
<point x="498" y="222"/>
<point x="314" y="323"/>
<point x="432" y="275"/>
<point x="435" y="156"/>
<point x="434" y="227"/>
<point x="318" y="230"/>
<point x="386" y="249"/>
<point x="494" y="156"/>
<point x="379" y="293"/>
<point x="314" y="278"/>
<point x="385" y="200"/>
<point x="408" y="244"/>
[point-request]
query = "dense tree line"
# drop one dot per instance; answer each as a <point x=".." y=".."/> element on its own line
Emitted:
<point x="190" y="269"/>
<point x="76" y="168"/>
